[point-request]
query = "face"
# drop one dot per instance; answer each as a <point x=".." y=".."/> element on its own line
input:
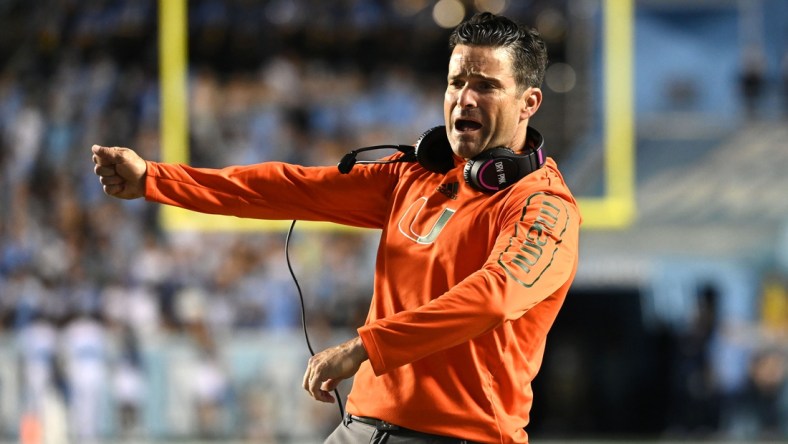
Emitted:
<point x="482" y="106"/>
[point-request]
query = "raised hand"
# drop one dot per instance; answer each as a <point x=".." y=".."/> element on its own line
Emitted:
<point x="121" y="171"/>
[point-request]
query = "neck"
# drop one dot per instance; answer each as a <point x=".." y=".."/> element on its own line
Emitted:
<point x="519" y="143"/>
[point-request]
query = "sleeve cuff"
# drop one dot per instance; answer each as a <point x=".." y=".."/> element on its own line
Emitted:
<point x="151" y="173"/>
<point x="375" y="358"/>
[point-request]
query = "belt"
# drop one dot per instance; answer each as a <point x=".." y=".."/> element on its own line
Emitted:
<point x="377" y="423"/>
<point x="384" y="426"/>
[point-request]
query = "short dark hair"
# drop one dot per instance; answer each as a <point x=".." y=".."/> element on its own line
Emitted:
<point x="527" y="49"/>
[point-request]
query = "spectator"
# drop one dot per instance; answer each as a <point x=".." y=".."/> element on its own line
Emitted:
<point x="86" y="359"/>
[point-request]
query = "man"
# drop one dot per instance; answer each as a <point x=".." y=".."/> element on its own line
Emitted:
<point x="467" y="281"/>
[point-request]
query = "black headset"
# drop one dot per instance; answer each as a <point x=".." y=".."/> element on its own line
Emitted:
<point x="489" y="171"/>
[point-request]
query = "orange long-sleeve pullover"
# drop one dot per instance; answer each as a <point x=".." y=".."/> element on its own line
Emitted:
<point x="466" y="285"/>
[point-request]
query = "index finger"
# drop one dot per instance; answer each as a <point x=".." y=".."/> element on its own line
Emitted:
<point x="103" y="170"/>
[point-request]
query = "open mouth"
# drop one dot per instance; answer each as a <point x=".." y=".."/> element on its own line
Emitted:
<point x="463" y="125"/>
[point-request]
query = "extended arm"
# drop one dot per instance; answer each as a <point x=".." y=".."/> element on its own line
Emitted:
<point x="270" y="190"/>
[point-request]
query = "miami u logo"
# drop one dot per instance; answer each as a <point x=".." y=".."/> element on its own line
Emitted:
<point x="410" y="220"/>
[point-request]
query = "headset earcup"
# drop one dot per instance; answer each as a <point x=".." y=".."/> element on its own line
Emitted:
<point x="433" y="151"/>
<point x="492" y="170"/>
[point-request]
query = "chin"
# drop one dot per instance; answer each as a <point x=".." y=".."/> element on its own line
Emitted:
<point x="465" y="149"/>
<point x="466" y="152"/>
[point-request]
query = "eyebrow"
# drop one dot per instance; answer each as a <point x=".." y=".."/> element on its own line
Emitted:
<point x="477" y="76"/>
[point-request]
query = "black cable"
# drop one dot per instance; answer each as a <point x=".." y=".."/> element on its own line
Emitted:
<point x="303" y="312"/>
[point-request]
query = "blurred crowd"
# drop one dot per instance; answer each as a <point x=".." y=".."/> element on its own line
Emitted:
<point x="88" y="282"/>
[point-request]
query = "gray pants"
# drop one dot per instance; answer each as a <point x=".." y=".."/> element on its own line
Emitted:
<point x="352" y="431"/>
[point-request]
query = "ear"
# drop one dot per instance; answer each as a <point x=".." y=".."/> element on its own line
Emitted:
<point x="531" y="100"/>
